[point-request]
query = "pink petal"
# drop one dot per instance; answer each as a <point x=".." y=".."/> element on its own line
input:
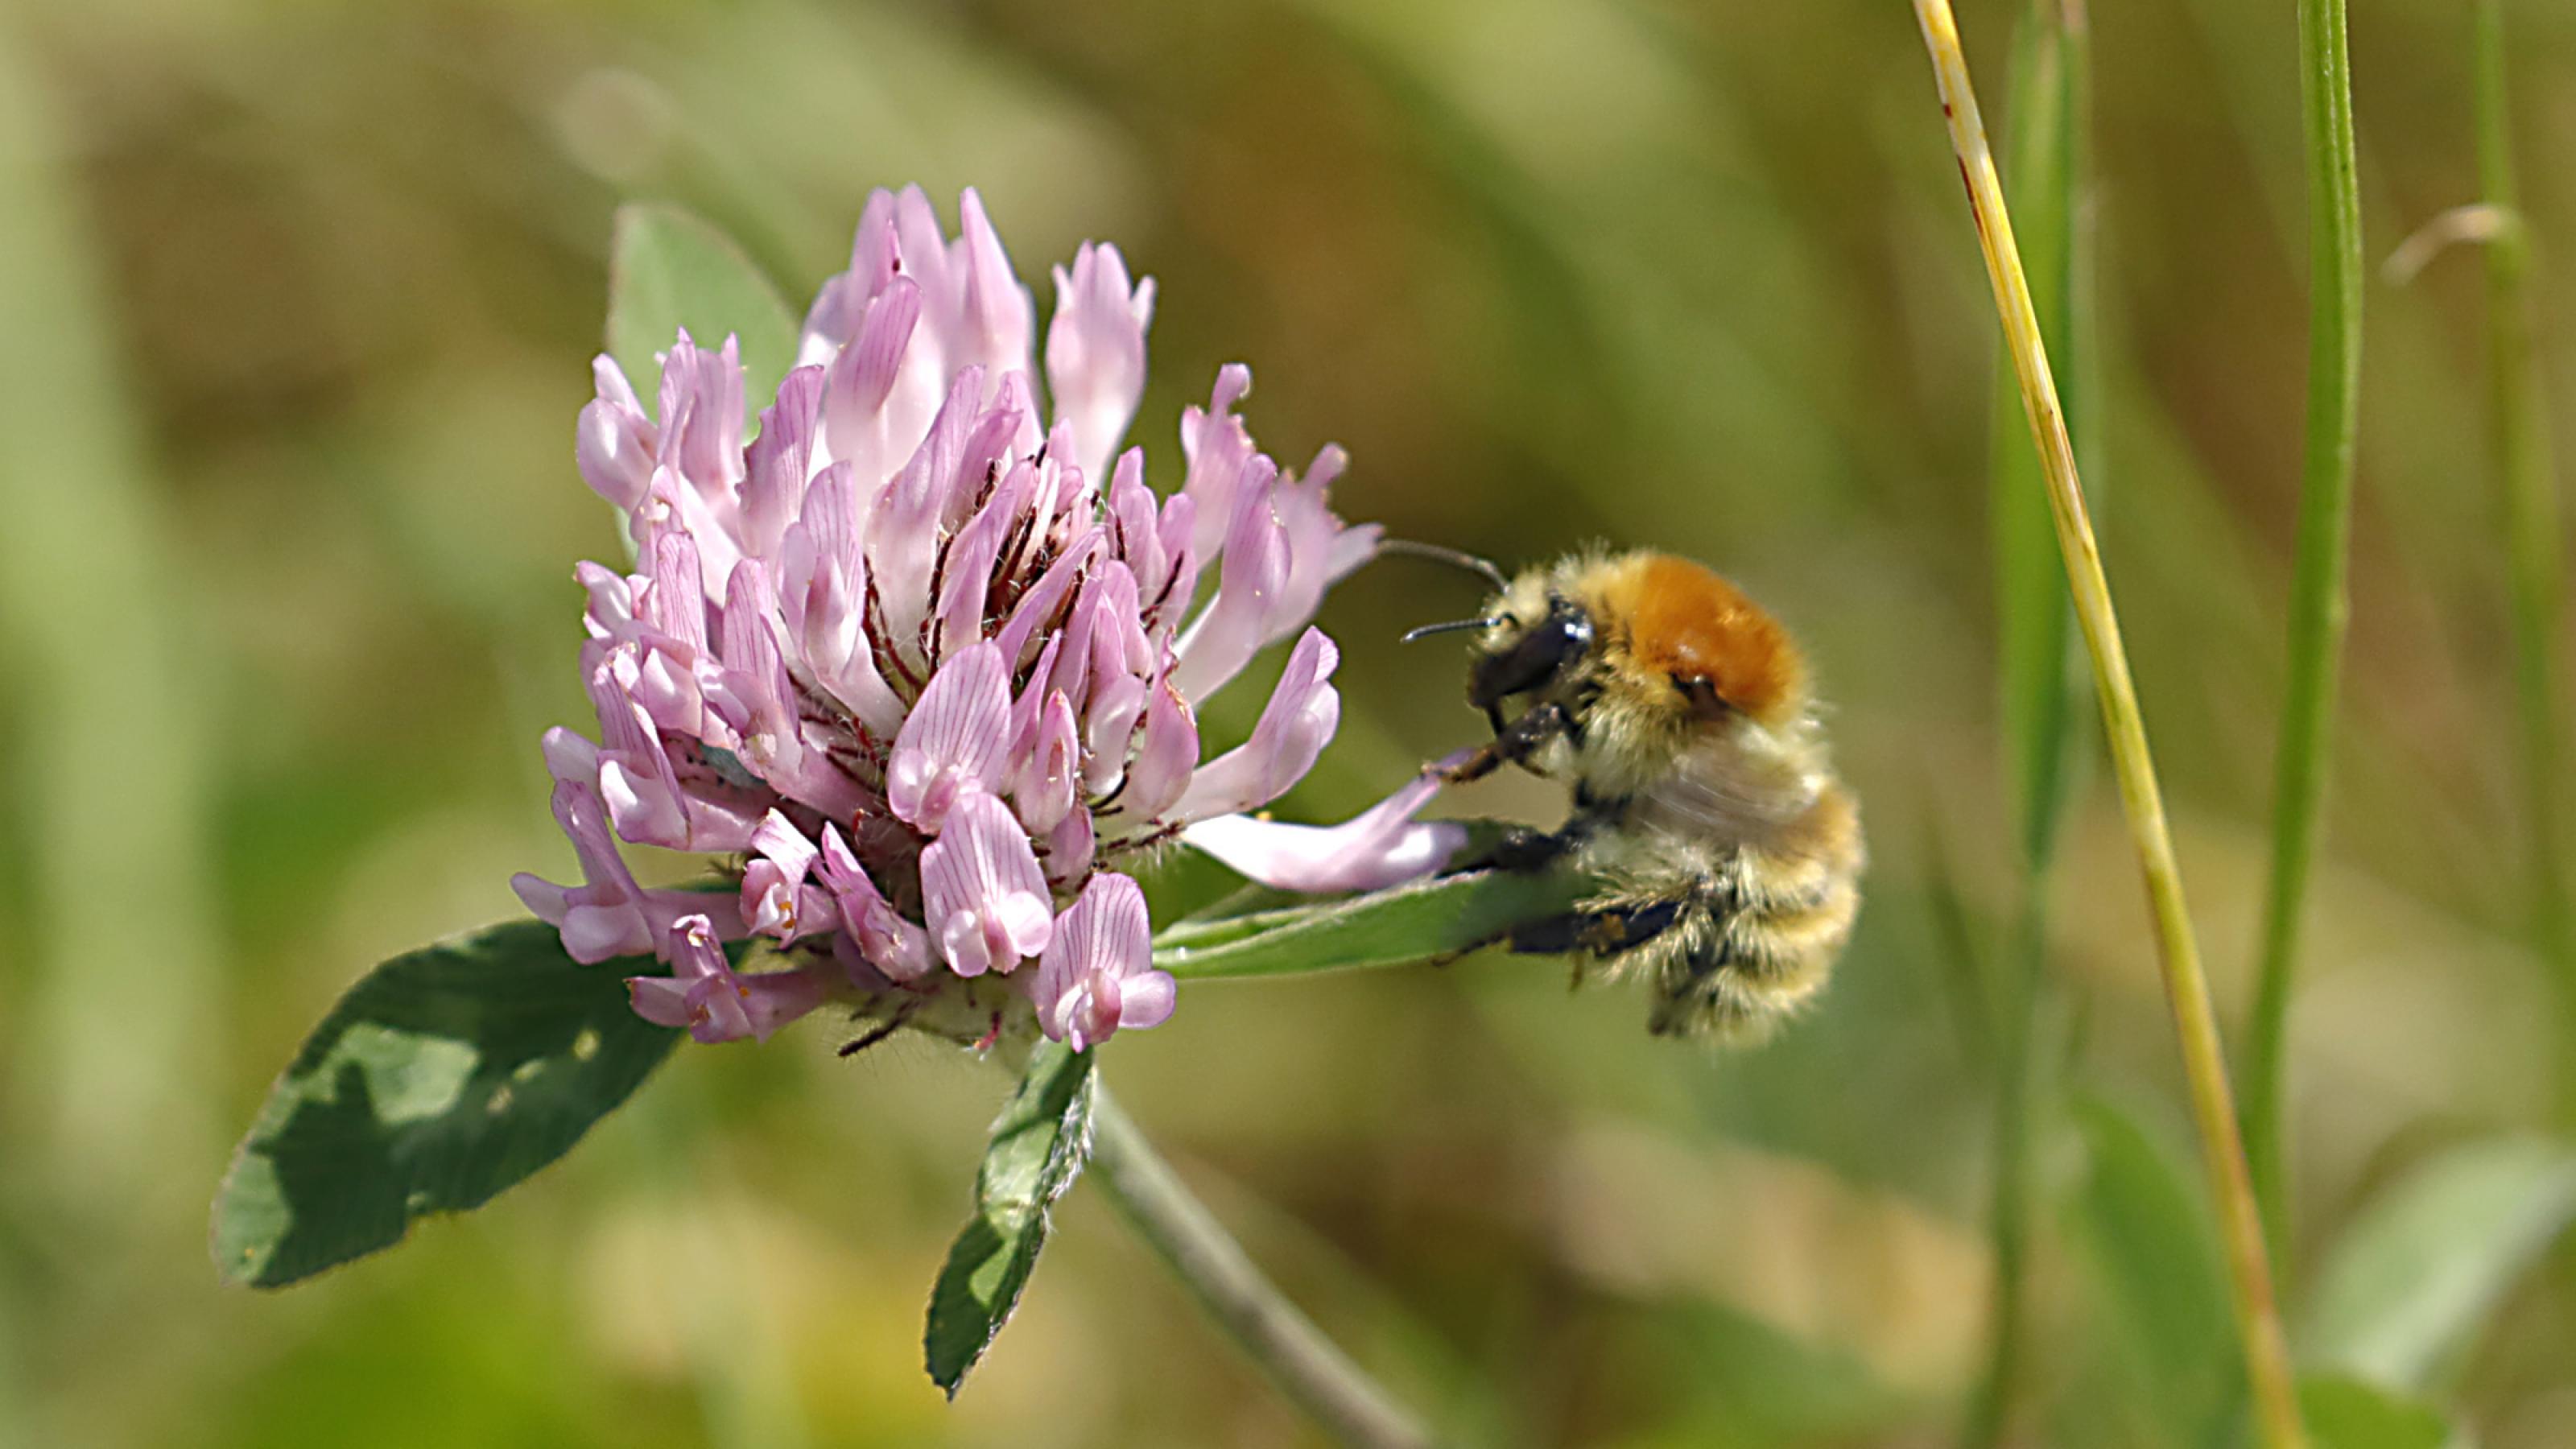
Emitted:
<point x="1110" y="727"/>
<point x="903" y="527"/>
<point x="776" y="468"/>
<point x="659" y="1000"/>
<point x="1320" y="549"/>
<point x="1251" y="587"/>
<point x="1134" y="532"/>
<point x="1303" y="711"/>
<point x="1380" y="847"/>
<point x="635" y="775"/>
<point x="614" y="442"/>
<point x="648" y="799"/>
<point x="1106" y="928"/>
<point x="862" y="425"/>
<point x="710" y="1005"/>
<point x="760" y="701"/>
<point x="1070" y="848"/>
<point x="599" y="919"/>
<point x="1051" y="770"/>
<point x="1095" y="354"/>
<point x="1147" y="1000"/>
<point x="957" y="738"/>
<point x="999" y="318"/>
<point x="711" y="519"/>
<point x="894" y="946"/>
<point x="1169" y="601"/>
<point x="1037" y="607"/>
<point x="983" y="896"/>
<point x="1218" y="446"/>
<point x="577" y="810"/>
<point x="972" y="557"/>
<point x="872" y="249"/>
<point x="569" y="756"/>
<point x="1089" y="1014"/>
<point x="676" y="604"/>
<point x="1101" y="950"/>
<point x="1066" y="492"/>
<point x="784" y="843"/>
<point x="703" y="994"/>
<point x="611" y="610"/>
<point x="702" y="416"/>
<point x="1165" y="756"/>
<point x="1116" y="627"/>
<point x="1104" y="639"/>
<point x="775" y="899"/>
<point x="607" y="914"/>
<point x="823" y="588"/>
<point x="772" y="999"/>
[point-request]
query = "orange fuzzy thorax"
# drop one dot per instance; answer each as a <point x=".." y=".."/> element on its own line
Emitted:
<point x="1687" y="623"/>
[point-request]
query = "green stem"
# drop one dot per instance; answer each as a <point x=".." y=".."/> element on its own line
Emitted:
<point x="2318" y="601"/>
<point x="2523" y="463"/>
<point x="2204" y="1062"/>
<point x="1315" y="1374"/>
<point x="2018" y="1092"/>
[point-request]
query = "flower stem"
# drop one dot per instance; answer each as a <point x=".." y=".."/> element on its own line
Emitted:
<point x="1308" y="1367"/>
<point x="2186" y="988"/>
<point x="2318" y="601"/>
<point x="2522" y="449"/>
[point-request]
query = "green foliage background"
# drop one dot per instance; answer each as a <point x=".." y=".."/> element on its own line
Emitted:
<point x="298" y="302"/>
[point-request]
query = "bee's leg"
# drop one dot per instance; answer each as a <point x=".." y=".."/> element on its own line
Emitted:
<point x="1525" y="849"/>
<point x="1518" y="741"/>
<point x="1604" y="932"/>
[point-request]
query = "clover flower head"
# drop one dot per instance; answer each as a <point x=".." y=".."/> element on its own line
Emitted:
<point x="928" y="657"/>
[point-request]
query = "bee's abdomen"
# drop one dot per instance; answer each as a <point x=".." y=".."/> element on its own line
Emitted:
<point x="1736" y="975"/>
<point x="1761" y="928"/>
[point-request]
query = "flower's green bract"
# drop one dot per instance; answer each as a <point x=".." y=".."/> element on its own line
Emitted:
<point x="443" y="1077"/>
<point x="1038" y="1147"/>
<point x="668" y="269"/>
<point x="1430" y="920"/>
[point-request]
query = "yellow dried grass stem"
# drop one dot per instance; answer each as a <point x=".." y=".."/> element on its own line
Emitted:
<point x="2267" y="1359"/>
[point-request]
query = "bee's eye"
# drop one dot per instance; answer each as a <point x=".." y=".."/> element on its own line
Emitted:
<point x="1534" y="658"/>
<point x="1700" y="692"/>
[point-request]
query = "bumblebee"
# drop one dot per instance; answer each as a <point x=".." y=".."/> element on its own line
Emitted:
<point x="1679" y="712"/>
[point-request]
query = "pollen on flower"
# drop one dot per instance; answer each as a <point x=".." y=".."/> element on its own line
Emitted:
<point x="925" y="653"/>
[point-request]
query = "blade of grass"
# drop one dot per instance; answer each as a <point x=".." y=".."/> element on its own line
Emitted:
<point x="2186" y="987"/>
<point x="2318" y="601"/>
<point x="2034" y="622"/>
<point x="2043" y="143"/>
<point x="1967" y="975"/>
<point x="2524" y="465"/>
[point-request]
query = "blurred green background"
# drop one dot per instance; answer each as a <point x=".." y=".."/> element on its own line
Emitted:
<point x="298" y="301"/>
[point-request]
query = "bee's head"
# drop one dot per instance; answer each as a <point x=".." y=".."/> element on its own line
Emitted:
<point x="1533" y="635"/>
<point x="1671" y="638"/>
<point x="1536" y="638"/>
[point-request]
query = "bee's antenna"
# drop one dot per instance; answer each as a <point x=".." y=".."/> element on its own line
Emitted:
<point x="1454" y="626"/>
<point x="1455" y="558"/>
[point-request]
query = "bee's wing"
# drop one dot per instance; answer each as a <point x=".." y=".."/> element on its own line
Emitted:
<point x="1715" y="793"/>
<point x="1785" y="843"/>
